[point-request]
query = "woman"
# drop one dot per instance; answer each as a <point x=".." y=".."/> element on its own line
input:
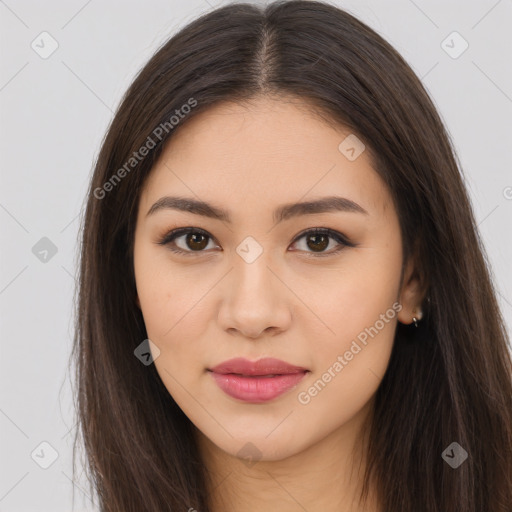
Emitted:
<point x="284" y="302"/>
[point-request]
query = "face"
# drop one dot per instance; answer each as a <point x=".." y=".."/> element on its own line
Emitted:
<point x="249" y="277"/>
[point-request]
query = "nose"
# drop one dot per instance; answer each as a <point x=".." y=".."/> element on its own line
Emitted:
<point x="254" y="300"/>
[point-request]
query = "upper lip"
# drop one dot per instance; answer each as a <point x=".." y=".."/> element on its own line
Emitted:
<point x="265" y="366"/>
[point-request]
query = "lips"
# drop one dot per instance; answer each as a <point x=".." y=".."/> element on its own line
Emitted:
<point x="267" y="366"/>
<point x="256" y="381"/>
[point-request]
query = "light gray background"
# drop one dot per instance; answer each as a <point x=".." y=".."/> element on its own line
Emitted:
<point x="54" y="114"/>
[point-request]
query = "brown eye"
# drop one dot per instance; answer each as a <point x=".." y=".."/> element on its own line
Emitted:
<point x="196" y="241"/>
<point x="317" y="242"/>
<point x="187" y="240"/>
<point x="314" y="242"/>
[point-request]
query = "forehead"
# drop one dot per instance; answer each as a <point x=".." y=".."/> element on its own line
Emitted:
<point x="265" y="152"/>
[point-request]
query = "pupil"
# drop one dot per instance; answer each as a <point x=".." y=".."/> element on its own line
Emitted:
<point x="316" y="245"/>
<point x="194" y="241"/>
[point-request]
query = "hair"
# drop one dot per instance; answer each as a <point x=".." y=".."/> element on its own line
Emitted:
<point x="449" y="380"/>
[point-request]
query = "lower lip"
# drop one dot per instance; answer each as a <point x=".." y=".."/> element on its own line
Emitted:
<point x="256" y="389"/>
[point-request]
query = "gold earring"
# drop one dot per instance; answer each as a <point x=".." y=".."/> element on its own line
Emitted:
<point x="415" y="320"/>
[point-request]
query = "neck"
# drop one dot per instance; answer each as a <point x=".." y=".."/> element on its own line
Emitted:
<point x="326" y="476"/>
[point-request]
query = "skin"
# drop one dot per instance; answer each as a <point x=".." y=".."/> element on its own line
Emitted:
<point x="206" y="307"/>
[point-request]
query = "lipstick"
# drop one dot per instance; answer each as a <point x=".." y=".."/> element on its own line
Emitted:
<point x="256" y="381"/>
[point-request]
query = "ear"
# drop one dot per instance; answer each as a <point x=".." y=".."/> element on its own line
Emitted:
<point x="412" y="292"/>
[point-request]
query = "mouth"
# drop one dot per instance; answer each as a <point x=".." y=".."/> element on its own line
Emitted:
<point x="268" y="366"/>
<point x="254" y="376"/>
<point x="259" y="381"/>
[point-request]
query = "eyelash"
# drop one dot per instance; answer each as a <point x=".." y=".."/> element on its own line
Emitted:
<point x="169" y="238"/>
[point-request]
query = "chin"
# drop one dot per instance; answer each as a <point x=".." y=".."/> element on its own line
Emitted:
<point x="251" y="449"/>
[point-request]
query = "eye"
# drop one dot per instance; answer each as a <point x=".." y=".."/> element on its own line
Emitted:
<point x="188" y="241"/>
<point x="319" y="239"/>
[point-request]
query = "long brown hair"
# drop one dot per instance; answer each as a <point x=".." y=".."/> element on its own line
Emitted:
<point x="448" y="381"/>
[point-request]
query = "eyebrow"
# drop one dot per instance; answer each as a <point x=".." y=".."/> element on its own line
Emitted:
<point x="283" y="212"/>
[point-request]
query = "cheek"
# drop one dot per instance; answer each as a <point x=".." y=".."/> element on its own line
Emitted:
<point x="154" y="291"/>
<point x="353" y="298"/>
<point x="359" y="306"/>
<point x="349" y="366"/>
<point x="172" y="314"/>
<point x="176" y="315"/>
<point x="165" y="295"/>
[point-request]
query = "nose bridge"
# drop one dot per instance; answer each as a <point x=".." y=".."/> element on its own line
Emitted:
<point x="253" y="301"/>
<point x="252" y="279"/>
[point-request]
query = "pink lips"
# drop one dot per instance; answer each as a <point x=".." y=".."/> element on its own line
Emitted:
<point x="256" y="381"/>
